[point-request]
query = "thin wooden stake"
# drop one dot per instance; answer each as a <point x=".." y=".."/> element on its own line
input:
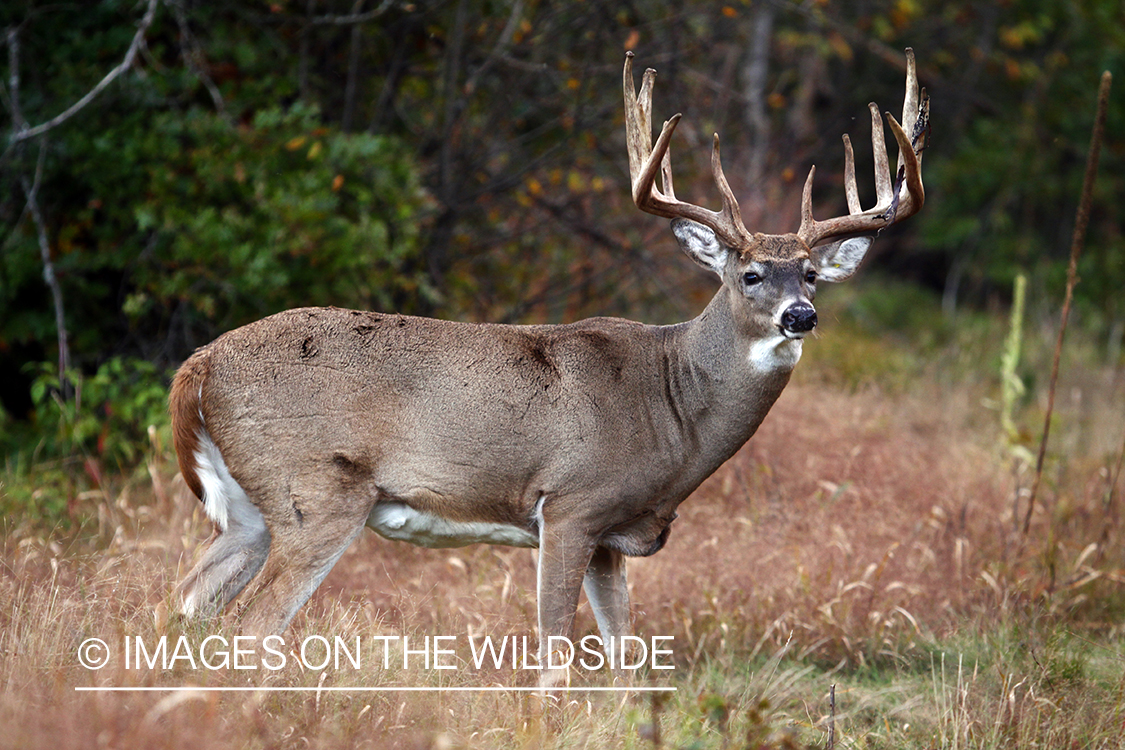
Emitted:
<point x="832" y="717"/>
<point x="1080" y="222"/>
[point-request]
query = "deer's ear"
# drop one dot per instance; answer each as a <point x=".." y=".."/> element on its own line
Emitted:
<point x="838" y="260"/>
<point x="701" y="244"/>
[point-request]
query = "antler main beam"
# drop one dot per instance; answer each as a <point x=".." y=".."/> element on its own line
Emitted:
<point x="896" y="200"/>
<point x="645" y="161"/>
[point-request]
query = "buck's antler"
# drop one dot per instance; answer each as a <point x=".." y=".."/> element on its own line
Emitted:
<point x="644" y="161"/>
<point x="894" y="202"/>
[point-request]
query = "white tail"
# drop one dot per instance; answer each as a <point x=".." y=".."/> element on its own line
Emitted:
<point x="582" y="439"/>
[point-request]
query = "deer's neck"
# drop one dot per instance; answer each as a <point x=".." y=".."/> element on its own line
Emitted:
<point x="723" y="379"/>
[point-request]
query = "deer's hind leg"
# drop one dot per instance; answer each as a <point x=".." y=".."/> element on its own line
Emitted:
<point x="310" y="529"/>
<point x="232" y="559"/>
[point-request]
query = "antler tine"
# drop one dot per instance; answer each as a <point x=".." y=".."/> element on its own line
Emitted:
<point x="851" y="190"/>
<point x="645" y="160"/>
<point x="910" y="173"/>
<point x="732" y="214"/>
<point x="895" y="200"/>
<point x="638" y="139"/>
<point x="666" y="173"/>
<point x="645" y="101"/>
<point x="645" y="193"/>
<point x="884" y="188"/>
<point x="808" y="224"/>
<point x="910" y="98"/>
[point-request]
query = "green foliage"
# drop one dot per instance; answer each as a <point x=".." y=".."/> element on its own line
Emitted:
<point x="109" y="416"/>
<point x="191" y="225"/>
<point x="248" y="220"/>
<point x="103" y="431"/>
<point x="171" y="220"/>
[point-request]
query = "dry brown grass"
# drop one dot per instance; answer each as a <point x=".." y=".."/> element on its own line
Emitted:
<point x="856" y="533"/>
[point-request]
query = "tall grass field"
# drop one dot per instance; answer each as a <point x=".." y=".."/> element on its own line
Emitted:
<point x="857" y="576"/>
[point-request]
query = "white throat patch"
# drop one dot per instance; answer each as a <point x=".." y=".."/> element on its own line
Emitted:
<point x="778" y="352"/>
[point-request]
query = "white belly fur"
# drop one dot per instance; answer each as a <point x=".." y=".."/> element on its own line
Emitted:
<point x="402" y="523"/>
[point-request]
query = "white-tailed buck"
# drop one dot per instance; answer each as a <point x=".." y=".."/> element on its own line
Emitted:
<point x="582" y="439"/>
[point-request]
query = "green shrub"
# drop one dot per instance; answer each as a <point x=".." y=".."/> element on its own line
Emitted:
<point x="99" y="434"/>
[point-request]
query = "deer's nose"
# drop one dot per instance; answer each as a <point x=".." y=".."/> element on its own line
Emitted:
<point x="799" y="319"/>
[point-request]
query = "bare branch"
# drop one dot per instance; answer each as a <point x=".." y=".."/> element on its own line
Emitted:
<point x="352" y="18"/>
<point x="193" y="56"/>
<point x="31" y="190"/>
<point x="501" y="46"/>
<point x="352" y="84"/>
<point x="13" y="96"/>
<point x="22" y="132"/>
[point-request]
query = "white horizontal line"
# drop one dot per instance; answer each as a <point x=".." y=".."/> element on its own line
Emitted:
<point x="390" y="689"/>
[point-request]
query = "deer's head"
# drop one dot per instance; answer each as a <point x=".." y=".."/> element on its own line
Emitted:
<point x="773" y="277"/>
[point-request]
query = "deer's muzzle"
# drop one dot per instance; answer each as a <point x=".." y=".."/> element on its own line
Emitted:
<point x="798" y="319"/>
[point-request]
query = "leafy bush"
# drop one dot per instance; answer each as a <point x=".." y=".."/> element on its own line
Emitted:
<point x="248" y="220"/>
<point x="177" y="226"/>
<point x="102" y="432"/>
<point x="109" y="416"/>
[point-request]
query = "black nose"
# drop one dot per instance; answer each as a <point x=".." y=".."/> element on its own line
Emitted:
<point x="799" y="319"/>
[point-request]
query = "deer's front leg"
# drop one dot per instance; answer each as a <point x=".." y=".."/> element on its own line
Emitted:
<point x="565" y="548"/>
<point x="608" y="592"/>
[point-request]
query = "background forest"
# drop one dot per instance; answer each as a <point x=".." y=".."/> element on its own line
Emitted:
<point x="466" y="160"/>
<point x="172" y="169"/>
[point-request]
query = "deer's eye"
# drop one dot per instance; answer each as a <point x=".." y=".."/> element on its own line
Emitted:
<point x="810" y="276"/>
<point x="751" y="278"/>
